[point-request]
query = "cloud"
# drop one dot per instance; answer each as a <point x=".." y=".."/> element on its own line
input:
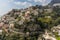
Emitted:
<point x="22" y="3"/>
<point x="43" y="2"/>
<point x="37" y="0"/>
<point x="4" y="7"/>
<point x="10" y="0"/>
<point x="25" y="4"/>
<point x="29" y="0"/>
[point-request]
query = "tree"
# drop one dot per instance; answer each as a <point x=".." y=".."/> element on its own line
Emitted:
<point x="45" y="22"/>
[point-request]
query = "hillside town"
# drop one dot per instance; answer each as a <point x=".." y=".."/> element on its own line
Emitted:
<point x="33" y="23"/>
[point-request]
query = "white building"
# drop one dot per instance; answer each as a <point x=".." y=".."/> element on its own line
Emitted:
<point x="57" y="4"/>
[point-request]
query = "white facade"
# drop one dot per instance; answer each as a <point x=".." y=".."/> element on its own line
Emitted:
<point x="56" y="4"/>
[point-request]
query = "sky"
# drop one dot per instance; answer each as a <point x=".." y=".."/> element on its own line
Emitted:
<point x="7" y="5"/>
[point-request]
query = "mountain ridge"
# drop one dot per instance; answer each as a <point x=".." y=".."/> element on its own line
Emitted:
<point x="33" y="23"/>
<point x="54" y="1"/>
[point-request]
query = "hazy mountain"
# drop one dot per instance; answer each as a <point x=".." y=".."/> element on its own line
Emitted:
<point x="54" y="1"/>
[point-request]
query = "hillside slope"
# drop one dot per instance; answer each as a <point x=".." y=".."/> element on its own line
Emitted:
<point x="33" y="23"/>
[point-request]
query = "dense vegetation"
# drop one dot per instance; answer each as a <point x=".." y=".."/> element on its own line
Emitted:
<point x="30" y="25"/>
